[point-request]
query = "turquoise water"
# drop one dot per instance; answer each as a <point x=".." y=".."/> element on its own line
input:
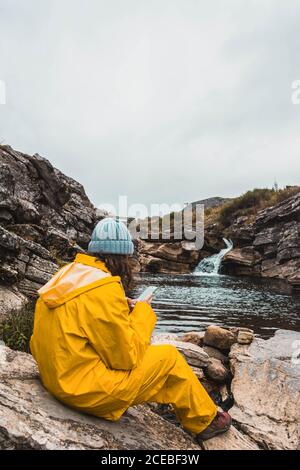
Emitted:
<point x="189" y="302"/>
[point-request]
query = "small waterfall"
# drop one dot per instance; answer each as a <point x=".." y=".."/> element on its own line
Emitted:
<point x="211" y="265"/>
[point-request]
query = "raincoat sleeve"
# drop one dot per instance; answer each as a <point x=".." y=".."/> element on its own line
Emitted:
<point x="119" y="337"/>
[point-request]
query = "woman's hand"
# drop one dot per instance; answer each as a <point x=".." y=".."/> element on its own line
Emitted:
<point x="132" y="302"/>
<point x="148" y="300"/>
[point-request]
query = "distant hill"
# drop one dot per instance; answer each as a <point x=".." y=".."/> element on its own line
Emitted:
<point x="210" y="202"/>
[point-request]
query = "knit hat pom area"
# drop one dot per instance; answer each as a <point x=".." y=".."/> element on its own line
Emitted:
<point x="112" y="237"/>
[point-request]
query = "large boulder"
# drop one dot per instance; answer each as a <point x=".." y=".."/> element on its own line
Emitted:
<point x="266" y="388"/>
<point x="219" y="338"/>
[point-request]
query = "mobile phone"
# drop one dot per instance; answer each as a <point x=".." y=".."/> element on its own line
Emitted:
<point x="147" y="293"/>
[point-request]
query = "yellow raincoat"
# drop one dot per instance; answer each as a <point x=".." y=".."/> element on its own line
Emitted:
<point x="94" y="354"/>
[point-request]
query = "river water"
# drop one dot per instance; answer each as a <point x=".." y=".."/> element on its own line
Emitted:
<point x="192" y="302"/>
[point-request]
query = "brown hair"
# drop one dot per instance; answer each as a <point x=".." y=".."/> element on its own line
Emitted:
<point x="118" y="265"/>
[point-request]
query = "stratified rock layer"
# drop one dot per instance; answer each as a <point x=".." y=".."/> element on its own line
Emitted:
<point x="44" y="215"/>
<point x="269" y="247"/>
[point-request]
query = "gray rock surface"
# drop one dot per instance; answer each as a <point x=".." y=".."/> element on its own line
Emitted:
<point x="266" y="414"/>
<point x="165" y="257"/>
<point x="43" y="216"/>
<point x="266" y="388"/>
<point x="271" y="246"/>
<point x="30" y="418"/>
<point x="10" y="301"/>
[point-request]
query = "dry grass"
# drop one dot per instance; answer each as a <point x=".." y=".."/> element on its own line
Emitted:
<point x="250" y="203"/>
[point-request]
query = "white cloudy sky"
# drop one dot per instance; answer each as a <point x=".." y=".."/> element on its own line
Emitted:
<point x="160" y="100"/>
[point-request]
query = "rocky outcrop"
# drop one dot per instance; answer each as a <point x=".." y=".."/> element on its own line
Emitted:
<point x="32" y="419"/>
<point x="265" y="385"/>
<point x="265" y="245"/>
<point x="266" y="389"/>
<point x="177" y="257"/>
<point x="270" y="246"/>
<point x="44" y="216"/>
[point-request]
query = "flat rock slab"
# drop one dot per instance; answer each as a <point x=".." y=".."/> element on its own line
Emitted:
<point x="266" y="388"/>
<point x="30" y="418"/>
<point x="232" y="440"/>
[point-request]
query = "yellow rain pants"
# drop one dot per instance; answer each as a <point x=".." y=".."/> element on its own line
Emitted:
<point x="93" y="353"/>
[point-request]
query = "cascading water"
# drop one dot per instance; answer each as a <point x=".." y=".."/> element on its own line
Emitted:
<point x="211" y="265"/>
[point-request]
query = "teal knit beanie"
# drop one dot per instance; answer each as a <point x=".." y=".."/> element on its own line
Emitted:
<point x="111" y="236"/>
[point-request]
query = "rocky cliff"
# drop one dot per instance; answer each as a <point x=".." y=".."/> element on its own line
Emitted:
<point x="269" y="246"/>
<point x="266" y="242"/>
<point x="44" y="215"/>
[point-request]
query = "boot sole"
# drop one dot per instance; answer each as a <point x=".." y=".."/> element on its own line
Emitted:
<point x="216" y="433"/>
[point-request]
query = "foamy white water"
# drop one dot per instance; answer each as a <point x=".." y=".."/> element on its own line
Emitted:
<point x="211" y="266"/>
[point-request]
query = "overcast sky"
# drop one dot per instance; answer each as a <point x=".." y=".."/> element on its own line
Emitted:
<point x="161" y="100"/>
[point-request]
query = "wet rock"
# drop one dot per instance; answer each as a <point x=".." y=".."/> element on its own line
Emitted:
<point x="266" y="388"/>
<point x="195" y="337"/>
<point x="216" y="353"/>
<point x="219" y="338"/>
<point x="217" y="371"/>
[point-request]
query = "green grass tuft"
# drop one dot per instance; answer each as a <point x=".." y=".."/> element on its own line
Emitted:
<point x="16" y="328"/>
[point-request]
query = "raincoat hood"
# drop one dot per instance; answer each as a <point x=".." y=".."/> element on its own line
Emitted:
<point x="84" y="273"/>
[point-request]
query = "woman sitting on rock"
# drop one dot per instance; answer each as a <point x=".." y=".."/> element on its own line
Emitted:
<point x="93" y="350"/>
